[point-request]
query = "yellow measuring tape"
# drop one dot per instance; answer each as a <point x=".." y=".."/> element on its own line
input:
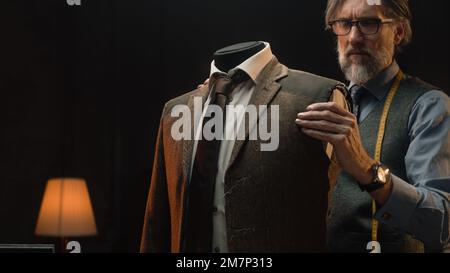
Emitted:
<point x="380" y="136"/>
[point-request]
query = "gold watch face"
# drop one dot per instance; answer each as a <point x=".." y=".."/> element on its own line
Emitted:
<point x="382" y="173"/>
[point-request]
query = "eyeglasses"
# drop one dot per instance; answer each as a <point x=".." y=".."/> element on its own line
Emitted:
<point x="370" y="26"/>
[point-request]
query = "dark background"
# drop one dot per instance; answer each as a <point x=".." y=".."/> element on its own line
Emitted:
<point x="82" y="89"/>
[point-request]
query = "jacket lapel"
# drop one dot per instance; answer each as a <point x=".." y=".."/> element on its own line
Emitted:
<point x="265" y="90"/>
<point x="189" y="144"/>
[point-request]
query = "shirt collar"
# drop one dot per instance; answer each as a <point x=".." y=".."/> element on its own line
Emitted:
<point x="379" y="85"/>
<point x="253" y="65"/>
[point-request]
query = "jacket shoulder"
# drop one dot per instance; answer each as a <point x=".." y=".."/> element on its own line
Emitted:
<point x="295" y="76"/>
<point x="309" y="84"/>
<point x="182" y="99"/>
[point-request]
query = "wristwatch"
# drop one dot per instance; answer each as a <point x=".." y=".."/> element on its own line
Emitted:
<point x="380" y="177"/>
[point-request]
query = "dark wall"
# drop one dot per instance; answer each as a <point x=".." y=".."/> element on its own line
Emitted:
<point x="82" y="89"/>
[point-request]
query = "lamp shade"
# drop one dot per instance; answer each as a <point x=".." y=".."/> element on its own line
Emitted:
<point x="66" y="209"/>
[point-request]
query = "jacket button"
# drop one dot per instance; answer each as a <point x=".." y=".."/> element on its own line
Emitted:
<point x="386" y="216"/>
<point x="214" y="209"/>
<point x="217" y="249"/>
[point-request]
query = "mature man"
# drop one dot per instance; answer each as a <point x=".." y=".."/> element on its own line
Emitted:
<point x="404" y="183"/>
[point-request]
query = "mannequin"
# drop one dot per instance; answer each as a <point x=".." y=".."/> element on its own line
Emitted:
<point x="254" y="212"/>
<point x="231" y="56"/>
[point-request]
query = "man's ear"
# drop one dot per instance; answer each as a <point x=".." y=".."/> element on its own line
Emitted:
<point x="399" y="32"/>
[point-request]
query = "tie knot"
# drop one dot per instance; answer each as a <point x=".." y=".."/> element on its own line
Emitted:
<point x="225" y="83"/>
<point x="239" y="76"/>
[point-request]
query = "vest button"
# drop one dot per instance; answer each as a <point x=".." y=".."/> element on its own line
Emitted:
<point x="217" y="249"/>
<point x="386" y="216"/>
<point x="214" y="209"/>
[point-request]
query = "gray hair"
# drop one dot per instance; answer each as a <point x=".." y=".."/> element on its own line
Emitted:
<point x="396" y="9"/>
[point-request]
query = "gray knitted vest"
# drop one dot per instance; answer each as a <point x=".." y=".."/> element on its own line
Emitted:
<point x="350" y="215"/>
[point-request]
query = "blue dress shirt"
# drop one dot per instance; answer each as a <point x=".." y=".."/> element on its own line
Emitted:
<point x="421" y="205"/>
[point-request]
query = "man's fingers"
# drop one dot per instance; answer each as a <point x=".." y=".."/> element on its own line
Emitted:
<point x="320" y="135"/>
<point x="203" y="84"/>
<point x="323" y="125"/>
<point x="330" y="106"/>
<point x="326" y="115"/>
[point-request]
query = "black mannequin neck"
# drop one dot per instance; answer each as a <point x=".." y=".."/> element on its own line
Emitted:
<point x="231" y="56"/>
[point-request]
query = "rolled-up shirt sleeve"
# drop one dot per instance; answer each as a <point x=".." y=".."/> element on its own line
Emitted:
<point x="421" y="205"/>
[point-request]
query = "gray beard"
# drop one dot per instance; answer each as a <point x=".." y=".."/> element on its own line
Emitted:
<point x="362" y="72"/>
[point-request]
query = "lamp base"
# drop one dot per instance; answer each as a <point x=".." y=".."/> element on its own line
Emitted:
<point x="63" y="244"/>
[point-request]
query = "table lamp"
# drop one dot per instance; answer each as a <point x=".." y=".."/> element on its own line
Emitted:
<point x="66" y="210"/>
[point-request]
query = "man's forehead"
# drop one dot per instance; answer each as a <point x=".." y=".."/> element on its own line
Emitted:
<point x="373" y="2"/>
<point x="360" y="8"/>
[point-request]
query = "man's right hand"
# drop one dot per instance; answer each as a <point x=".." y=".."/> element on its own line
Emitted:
<point x="205" y="83"/>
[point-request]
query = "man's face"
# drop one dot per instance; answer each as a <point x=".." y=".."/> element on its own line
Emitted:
<point x="361" y="56"/>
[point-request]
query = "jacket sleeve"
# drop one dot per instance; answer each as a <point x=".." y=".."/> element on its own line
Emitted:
<point x="156" y="231"/>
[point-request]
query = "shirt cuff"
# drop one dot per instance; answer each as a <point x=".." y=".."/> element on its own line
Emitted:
<point x="400" y="206"/>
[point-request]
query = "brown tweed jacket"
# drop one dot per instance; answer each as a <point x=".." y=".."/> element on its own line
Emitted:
<point x="275" y="201"/>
